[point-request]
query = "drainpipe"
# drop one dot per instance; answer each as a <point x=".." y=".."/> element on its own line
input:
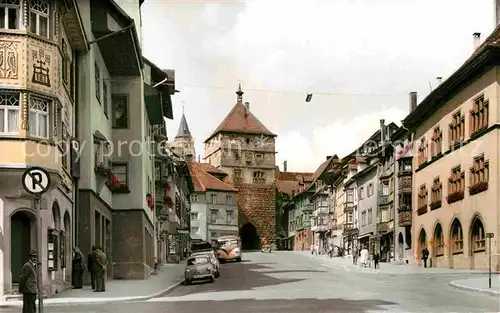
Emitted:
<point x="76" y="196"/>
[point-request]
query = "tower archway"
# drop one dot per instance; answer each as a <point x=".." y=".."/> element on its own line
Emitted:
<point x="249" y="237"/>
<point x="22" y="240"/>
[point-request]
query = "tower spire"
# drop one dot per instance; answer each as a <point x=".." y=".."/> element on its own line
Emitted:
<point x="183" y="128"/>
<point x="239" y="94"/>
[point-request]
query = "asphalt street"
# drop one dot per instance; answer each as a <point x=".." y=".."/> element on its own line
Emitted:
<point x="287" y="282"/>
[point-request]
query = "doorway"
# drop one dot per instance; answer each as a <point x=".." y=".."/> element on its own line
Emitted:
<point x="21" y="241"/>
<point x="249" y="237"/>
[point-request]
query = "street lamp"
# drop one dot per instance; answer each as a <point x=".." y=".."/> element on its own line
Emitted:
<point x="489" y="236"/>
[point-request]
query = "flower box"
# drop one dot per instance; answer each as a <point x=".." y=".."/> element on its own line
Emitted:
<point x="422" y="210"/>
<point x="435" y="205"/>
<point x="477" y="188"/>
<point x="455" y="196"/>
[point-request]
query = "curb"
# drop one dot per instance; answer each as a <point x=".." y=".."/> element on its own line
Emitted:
<point x="76" y="302"/>
<point x="478" y="290"/>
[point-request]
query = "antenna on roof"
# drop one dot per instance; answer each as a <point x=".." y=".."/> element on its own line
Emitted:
<point x="430" y="86"/>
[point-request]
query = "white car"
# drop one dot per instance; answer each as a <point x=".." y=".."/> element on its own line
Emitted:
<point x="213" y="259"/>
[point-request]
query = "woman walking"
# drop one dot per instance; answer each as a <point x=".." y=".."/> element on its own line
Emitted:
<point x="77" y="269"/>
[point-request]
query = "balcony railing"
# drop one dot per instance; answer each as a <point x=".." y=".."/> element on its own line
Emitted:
<point x="348" y="226"/>
<point x="348" y="207"/>
<point x="382" y="227"/>
<point x="304" y="225"/>
<point x="404" y="184"/>
<point x="307" y="208"/>
<point x="404" y="216"/>
<point x="385" y="199"/>
<point x="321" y="211"/>
<point x="319" y="228"/>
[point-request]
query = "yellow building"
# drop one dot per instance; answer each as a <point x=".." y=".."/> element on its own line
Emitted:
<point x="455" y="164"/>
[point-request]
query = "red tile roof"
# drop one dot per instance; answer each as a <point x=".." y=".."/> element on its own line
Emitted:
<point x="241" y="120"/>
<point x="288" y="182"/>
<point x="203" y="181"/>
<point x="211" y="169"/>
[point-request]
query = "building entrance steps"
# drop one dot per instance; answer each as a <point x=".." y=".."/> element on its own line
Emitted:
<point x="345" y="263"/>
<point x="165" y="280"/>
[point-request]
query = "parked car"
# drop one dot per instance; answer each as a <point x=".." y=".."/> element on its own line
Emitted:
<point x="199" y="268"/>
<point x="213" y="259"/>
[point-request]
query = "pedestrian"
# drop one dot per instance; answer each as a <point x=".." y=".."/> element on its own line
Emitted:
<point x="376" y="259"/>
<point x="100" y="271"/>
<point x="355" y="254"/>
<point x="425" y="256"/>
<point x="363" y="258"/>
<point x="28" y="285"/>
<point x="91" y="266"/>
<point x="78" y="266"/>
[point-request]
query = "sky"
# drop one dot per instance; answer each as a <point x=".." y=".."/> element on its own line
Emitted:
<point x="359" y="59"/>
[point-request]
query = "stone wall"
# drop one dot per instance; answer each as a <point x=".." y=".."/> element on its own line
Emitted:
<point x="257" y="205"/>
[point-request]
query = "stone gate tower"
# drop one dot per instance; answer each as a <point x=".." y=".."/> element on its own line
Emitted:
<point x="245" y="149"/>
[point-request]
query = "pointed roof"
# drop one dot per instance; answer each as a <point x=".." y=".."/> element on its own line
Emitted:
<point x="183" y="128"/>
<point x="203" y="181"/>
<point x="241" y="120"/>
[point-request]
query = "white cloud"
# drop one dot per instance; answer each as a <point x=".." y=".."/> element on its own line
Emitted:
<point x="340" y="137"/>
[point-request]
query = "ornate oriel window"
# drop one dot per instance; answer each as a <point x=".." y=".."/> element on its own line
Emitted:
<point x="479" y="171"/>
<point x="422" y="196"/>
<point x="9" y="14"/>
<point x="437" y="142"/>
<point x="479" y="115"/>
<point x="39" y="11"/>
<point x="457" y="237"/>
<point x="436" y="192"/>
<point x="9" y="113"/>
<point x="39" y="117"/>
<point x="456" y="133"/>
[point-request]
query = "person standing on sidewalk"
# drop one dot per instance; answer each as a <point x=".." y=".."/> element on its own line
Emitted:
<point x="425" y="256"/>
<point x="91" y="266"/>
<point x="100" y="264"/>
<point x="28" y="286"/>
<point x="78" y="266"/>
<point x="376" y="259"/>
<point x="355" y="255"/>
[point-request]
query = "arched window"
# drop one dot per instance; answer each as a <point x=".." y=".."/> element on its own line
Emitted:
<point x="457" y="237"/>
<point x="477" y="236"/>
<point x="422" y="239"/>
<point x="438" y="241"/>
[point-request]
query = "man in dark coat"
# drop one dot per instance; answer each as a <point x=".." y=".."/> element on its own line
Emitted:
<point x="28" y="285"/>
<point x="91" y="266"/>
<point x="425" y="255"/>
<point x="100" y="264"/>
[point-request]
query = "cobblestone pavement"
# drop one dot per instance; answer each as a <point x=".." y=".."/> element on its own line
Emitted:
<point x="292" y="283"/>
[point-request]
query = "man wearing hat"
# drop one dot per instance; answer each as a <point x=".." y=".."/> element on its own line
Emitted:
<point x="28" y="283"/>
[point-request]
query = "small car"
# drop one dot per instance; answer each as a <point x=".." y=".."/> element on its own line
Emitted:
<point x="199" y="268"/>
<point x="213" y="259"/>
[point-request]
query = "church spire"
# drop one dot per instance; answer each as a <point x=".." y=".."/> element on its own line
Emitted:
<point x="240" y="94"/>
<point x="183" y="127"/>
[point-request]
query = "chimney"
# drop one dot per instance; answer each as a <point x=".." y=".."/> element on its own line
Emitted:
<point x="247" y="105"/>
<point x="476" y="41"/>
<point x="497" y="13"/>
<point x="382" y="131"/>
<point x="413" y="100"/>
<point x="439" y="80"/>
<point x="285" y="166"/>
<point x="328" y="157"/>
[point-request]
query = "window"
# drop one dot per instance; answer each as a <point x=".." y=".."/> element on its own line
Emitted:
<point x="229" y="200"/>
<point x="194" y="198"/>
<point x="478" y="238"/>
<point x="456" y="132"/>
<point x="213" y="234"/>
<point x="213" y="216"/>
<point x="407" y="166"/>
<point x="9" y="14"/>
<point x="479" y="171"/>
<point x="194" y="216"/>
<point x="456" y="181"/>
<point x="385" y="188"/>
<point x="63" y="145"/>
<point x="361" y="192"/>
<point x="258" y="177"/>
<point x="370" y="216"/>
<point x="39" y="17"/>
<point x="97" y="77"/>
<point x="119" y="111"/>
<point x="195" y="230"/>
<point x="349" y="195"/>
<point x="369" y="190"/>
<point x="230" y="217"/>
<point x="105" y="97"/>
<point x="39" y="117"/>
<point x="363" y="218"/>
<point x="422" y="197"/>
<point x="213" y="198"/>
<point x="439" y="241"/>
<point x="237" y="175"/>
<point x="436" y="191"/>
<point x="349" y="217"/>
<point x="479" y="115"/>
<point x="422" y="152"/>
<point x="437" y="142"/>
<point x="9" y="113"/>
<point x="65" y="62"/>
<point x="457" y="237"/>
<point x="121" y="172"/>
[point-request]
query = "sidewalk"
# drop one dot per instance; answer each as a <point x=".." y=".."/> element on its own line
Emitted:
<point x="345" y="263"/>
<point x="479" y="284"/>
<point x="167" y="278"/>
